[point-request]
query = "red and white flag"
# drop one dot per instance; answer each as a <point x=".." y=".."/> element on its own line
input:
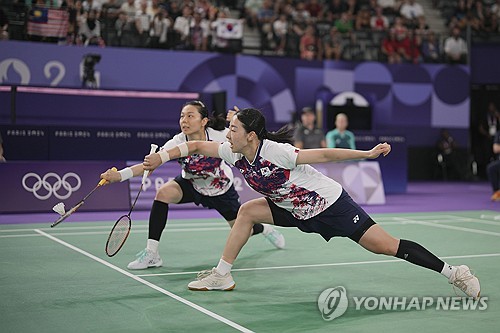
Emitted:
<point x="48" y="22"/>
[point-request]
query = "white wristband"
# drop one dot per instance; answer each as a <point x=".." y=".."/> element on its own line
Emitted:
<point x="125" y="174"/>
<point x="183" y="147"/>
<point x="165" y="157"/>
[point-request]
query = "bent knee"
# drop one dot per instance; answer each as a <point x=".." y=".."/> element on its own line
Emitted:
<point x="386" y="248"/>
<point x="169" y="194"/>
<point x="246" y="211"/>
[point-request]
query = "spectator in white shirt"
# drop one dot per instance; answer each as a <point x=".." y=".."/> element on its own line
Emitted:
<point x="412" y="12"/>
<point x="90" y="29"/>
<point x="389" y="7"/>
<point x="280" y="28"/>
<point x="182" y="25"/>
<point x="455" y="48"/>
<point x="159" y="30"/>
<point x="143" y="24"/>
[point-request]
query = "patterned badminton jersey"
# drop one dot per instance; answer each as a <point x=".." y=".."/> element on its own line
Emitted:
<point x="300" y="189"/>
<point x="210" y="176"/>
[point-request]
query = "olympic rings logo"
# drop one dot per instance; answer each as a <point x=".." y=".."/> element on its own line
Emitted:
<point x="51" y="184"/>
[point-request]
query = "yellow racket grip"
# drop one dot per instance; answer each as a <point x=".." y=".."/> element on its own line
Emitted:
<point x="103" y="181"/>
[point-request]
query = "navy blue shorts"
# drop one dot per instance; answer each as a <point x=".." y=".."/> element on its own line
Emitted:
<point x="344" y="218"/>
<point x="226" y="204"/>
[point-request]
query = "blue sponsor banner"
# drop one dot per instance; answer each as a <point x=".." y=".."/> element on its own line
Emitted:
<point x="38" y="186"/>
<point x="113" y="108"/>
<point x="25" y="142"/>
<point x="79" y="143"/>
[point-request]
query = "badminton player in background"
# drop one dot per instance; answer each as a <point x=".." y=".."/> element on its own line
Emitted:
<point x="204" y="180"/>
<point x="297" y="195"/>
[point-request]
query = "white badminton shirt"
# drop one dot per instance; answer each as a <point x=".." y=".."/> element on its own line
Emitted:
<point x="210" y="176"/>
<point x="300" y="189"/>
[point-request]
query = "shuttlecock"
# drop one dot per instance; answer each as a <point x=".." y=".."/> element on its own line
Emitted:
<point x="59" y="208"/>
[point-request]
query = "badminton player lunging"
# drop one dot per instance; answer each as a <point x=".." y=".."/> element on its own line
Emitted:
<point x="297" y="195"/>
<point x="204" y="180"/>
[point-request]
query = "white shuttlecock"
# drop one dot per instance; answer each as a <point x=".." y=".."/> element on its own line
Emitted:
<point x="59" y="208"/>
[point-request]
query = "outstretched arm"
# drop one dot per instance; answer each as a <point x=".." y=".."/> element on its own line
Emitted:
<point x="114" y="176"/>
<point x="207" y="148"/>
<point x="308" y="156"/>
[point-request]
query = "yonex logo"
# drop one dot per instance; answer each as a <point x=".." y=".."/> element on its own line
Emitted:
<point x="332" y="303"/>
<point x="355" y="219"/>
<point x="52" y="184"/>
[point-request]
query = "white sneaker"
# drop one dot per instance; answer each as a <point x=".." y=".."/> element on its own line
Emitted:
<point x="145" y="259"/>
<point x="276" y="238"/>
<point x="212" y="281"/>
<point x="464" y="280"/>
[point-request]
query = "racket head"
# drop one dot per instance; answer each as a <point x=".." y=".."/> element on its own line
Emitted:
<point x="67" y="214"/>
<point x="118" y="235"/>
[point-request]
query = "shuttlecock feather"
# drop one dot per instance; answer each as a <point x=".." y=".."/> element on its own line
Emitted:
<point x="59" y="208"/>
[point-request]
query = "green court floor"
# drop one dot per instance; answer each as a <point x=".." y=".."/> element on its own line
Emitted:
<point x="60" y="279"/>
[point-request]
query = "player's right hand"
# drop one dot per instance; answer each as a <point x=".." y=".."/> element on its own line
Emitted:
<point x="112" y="176"/>
<point x="151" y="161"/>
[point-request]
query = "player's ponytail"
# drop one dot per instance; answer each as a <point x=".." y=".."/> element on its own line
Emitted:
<point x="253" y="120"/>
<point x="215" y="121"/>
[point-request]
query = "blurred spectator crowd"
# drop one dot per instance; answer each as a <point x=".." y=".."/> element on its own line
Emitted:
<point x="394" y="31"/>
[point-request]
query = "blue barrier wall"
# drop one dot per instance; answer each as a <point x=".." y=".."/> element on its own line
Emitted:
<point x="405" y="98"/>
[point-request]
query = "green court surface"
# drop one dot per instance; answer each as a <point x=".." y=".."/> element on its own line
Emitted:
<point x="60" y="279"/>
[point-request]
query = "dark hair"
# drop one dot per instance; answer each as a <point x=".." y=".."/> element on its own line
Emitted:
<point x="217" y="122"/>
<point x="253" y="120"/>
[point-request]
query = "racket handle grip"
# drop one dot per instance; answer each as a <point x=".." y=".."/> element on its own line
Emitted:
<point x="146" y="172"/>
<point x="103" y="181"/>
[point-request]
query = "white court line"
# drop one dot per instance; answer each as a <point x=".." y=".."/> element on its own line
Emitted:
<point x="443" y="226"/>
<point x="142" y="229"/>
<point x="18" y="236"/>
<point x="149" y="284"/>
<point x="135" y="226"/>
<point x="440" y="221"/>
<point x="87" y="233"/>
<point x="327" y="265"/>
<point x="480" y="220"/>
<point x="494" y="217"/>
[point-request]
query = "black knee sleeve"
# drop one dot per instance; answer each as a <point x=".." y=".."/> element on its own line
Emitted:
<point x="157" y="219"/>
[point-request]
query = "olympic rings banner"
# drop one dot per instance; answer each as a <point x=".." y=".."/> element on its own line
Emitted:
<point x="38" y="186"/>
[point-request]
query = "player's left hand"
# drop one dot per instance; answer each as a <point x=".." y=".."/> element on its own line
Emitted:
<point x="381" y="148"/>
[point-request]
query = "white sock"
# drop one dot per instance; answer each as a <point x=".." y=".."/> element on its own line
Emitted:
<point x="448" y="270"/>
<point x="223" y="267"/>
<point x="267" y="229"/>
<point x="153" y="245"/>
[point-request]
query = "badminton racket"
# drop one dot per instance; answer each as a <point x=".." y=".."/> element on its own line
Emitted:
<point x="121" y="229"/>
<point x="65" y="215"/>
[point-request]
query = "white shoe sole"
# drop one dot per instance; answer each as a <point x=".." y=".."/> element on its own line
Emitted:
<point x="158" y="264"/>
<point x="228" y="287"/>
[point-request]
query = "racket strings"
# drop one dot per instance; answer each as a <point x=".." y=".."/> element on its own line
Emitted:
<point x="118" y="235"/>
